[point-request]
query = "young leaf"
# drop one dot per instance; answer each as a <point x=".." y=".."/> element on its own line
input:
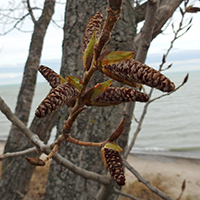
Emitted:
<point x="96" y="91"/>
<point x="110" y="58"/>
<point x="112" y="146"/>
<point x="74" y="81"/>
<point x="89" y="52"/>
<point x="118" y="131"/>
<point x="94" y="25"/>
<point x="100" y="88"/>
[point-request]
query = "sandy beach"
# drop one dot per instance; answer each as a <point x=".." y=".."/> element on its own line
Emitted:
<point x="171" y="170"/>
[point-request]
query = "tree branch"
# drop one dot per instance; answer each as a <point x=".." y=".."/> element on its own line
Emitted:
<point x="125" y="195"/>
<point x="15" y="25"/>
<point x="19" y="153"/>
<point x="15" y="120"/>
<point x="30" y="11"/>
<point x="140" y="12"/>
<point x="166" y="9"/>
<point x="147" y="183"/>
<point x="103" y="179"/>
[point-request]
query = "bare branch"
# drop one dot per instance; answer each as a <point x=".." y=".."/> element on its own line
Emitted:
<point x="31" y="11"/>
<point x="103" y="179"/>
<point x="147" y="183"/>
<point x="8" y="113"/>
<point x="143" y="39"/>
<point x="182" y="190"/>
<point x="15" y="25"/>
<point x="19" y="153"/>
<point x="124" y="194"/>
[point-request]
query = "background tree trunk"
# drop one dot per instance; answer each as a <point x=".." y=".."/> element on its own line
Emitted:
<point x="95" y="123"/>
<point x="16" y="172"/>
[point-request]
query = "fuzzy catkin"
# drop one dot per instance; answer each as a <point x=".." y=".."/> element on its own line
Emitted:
<point x="135" y="71"/>
<point x="94" y="25"/>
<point x="55" y="99"/>
<point x="116" y="95"/>
<point x="52" y="77"/>
<point x="115" y="165"/>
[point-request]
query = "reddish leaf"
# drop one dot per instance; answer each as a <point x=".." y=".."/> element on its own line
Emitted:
<point x="118" y="131"/>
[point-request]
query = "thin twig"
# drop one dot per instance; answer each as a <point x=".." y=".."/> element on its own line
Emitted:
<point x="82" y="143"/>
<point x="19" y="153"/>
<point x="31" y="11"/>
<point x="124" y="194"/>
<point x="166" y="94"/>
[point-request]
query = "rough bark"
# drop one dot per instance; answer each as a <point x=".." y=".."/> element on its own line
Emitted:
<point x="16" y="170"/>
<point x="94" y="124"/>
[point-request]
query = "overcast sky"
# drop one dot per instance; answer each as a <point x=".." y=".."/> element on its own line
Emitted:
<point x="14" y="48"/>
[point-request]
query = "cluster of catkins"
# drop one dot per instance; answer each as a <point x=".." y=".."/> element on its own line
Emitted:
<point x="119" y="66"/>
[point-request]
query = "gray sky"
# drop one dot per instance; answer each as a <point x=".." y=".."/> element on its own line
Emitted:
<point x="14" y="48"/>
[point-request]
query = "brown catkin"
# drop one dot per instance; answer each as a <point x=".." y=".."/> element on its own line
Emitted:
<point x="94" y="25"/>
<point x="55" y="99"/>
<point x="115" y="165"/>
<point x="52" y="77"/>
<point x="116" y="95"/>
<point x="135" y="71"/>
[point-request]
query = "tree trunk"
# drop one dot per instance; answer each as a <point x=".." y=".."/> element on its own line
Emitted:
<point x="95" y="123"/>
<point x="16" y="172"/>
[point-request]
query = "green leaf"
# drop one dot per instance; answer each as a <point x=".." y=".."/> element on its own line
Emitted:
<point x="74" y="81"/>
<point x="114" y="146"/>
<point x="89" y="51"/>
<point x="109" y="145"/>
<point x="100" y="88"/>
<point x="110" y="58"/>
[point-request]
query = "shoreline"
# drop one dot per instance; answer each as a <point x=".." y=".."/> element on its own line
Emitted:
<point x="193" y="154"/>
<point x="182" y="154"/>
<point x="172" y="170"/>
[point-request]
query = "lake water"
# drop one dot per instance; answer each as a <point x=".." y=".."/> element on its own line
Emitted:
<point x="172" y="123"/>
